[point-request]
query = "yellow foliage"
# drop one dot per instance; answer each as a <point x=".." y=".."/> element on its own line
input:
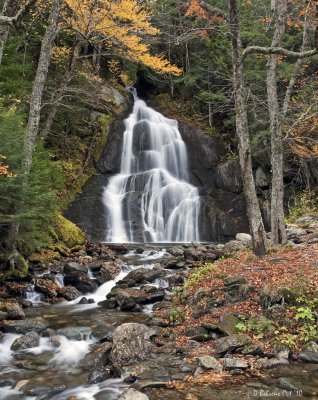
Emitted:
<point x="121" y="24"/>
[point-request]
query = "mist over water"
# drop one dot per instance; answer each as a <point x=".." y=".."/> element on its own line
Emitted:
<point x="151" y="199"/>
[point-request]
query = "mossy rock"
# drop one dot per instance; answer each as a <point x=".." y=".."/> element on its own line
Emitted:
<point x="18" y="266"/>
<point x="67" y="232"/>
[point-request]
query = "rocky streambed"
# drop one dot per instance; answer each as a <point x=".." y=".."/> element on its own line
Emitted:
<point x="82" y="327"/>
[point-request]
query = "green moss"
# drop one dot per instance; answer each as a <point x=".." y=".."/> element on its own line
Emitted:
<point x="70" y="234"/>
<point x="17" y="266"/>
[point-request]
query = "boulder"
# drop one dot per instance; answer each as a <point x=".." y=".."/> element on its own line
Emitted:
<point x="197" y="333"/>
<point x="309" y="353"/>
<point x="208" y="362"/>
<point x="81" y="282"/>
<point x="31" y="339"/>
<point x="243" y="237"/>
<point x="176" y="251"/>
<point x="192" y="255"/>
<point x="231" y="343"/>
<point x="108" y="271"/>
<point x="131" y="344"/>
<point x="37" y="324"/>
<point x="232" y="363"/>
<point x="227" y="323"/>
<point x="132" y="394"/>
<point x="73" y="267"/>
<point x="265" y="363"/>
<point x="68" y="292"/>
<point x="46" y="286"/>
<point x="14" y="311"/>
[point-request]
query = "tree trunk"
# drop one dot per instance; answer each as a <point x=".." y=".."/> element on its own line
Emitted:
<point x="34" y="116"/>
<point x="253" y="210"/>
<point x="8" y="10"/>
<point x="277" y="195"/>
<point x="61" y="90"/>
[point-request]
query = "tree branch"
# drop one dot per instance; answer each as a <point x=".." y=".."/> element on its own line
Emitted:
<point x="217" y="12"/>
<point x="5" y="20"/>
<point x="278" y="50"/>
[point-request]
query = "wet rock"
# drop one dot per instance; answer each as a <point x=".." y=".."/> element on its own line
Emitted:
<point x="98" y="357"/>
<point x="46" y="286"/>
<point x="234" y="280"/>
<point x="191" y="255"/>
<point x="81" y="282"/>
<point x="243" y="237"/>
<point x="309" y="353"/>
<point x="177" y="251"/>
<point x="26" y="303"/>
<point x="102" y="332"/>
<point x="128" y="299"/>
<point x="109" y="304"/>
<point x="231" y="363"/>
<point x="31" y="339"/>
<point x="73" y="267"/>
<point x="175" y="264"/>
<point x="131" y="343"/>
<point x="3" y="315"/>
<point x="141" y="275"/>
<point x="14" y="311"/>
<point x="76" y="332"/>
<point x="208" y="362"/>
<point x="99" y="375"/>
<point x="132" y="394"/>
<point x="175" y="280"/>
<point x="37" y="324"/>
<point x="265" y="363"/>
<point x="69" y="293"/>
<point x="83" y="301"/>
<point x="227" y="324"/>
<point x="231" y="343"/>
<point x="108" y="271"/>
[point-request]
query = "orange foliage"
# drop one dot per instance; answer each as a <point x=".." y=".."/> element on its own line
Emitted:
<point x="4" y="169"/>
<point x="122" y="25"/>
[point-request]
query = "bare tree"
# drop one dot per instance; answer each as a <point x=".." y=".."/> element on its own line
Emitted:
<point x="9" y="16"/>
<point x="277" y="194"/>
<point x="34" y="120"/>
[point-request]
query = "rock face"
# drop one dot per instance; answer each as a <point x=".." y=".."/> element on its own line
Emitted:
<point x="222" y="212"/>
<point x="131" y="344"/>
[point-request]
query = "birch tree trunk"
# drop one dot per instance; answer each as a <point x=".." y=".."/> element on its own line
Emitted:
<point x="253" y="210"/>
<point x="34" y="119"/>
<point x="277" y="195"/>
<point x="8" y="10"/>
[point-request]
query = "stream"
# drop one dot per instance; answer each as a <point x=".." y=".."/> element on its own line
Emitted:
<point x="53" y="369"/>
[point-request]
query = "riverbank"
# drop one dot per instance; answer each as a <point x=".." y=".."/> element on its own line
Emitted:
<point x="175" y="322"/>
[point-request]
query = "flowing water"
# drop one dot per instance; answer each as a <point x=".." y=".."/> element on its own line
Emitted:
<point x="151" y="199"/>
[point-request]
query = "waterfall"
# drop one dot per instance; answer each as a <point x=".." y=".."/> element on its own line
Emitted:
<point x="151" y="199"/>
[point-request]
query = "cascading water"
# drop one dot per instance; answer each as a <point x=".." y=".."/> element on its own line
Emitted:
<point x="150" y="200"/>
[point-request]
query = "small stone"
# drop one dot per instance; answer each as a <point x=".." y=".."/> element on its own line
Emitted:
<point x="209" y="362"/>
<point x="198" y="371"/>
<point x="232" y="363"/>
